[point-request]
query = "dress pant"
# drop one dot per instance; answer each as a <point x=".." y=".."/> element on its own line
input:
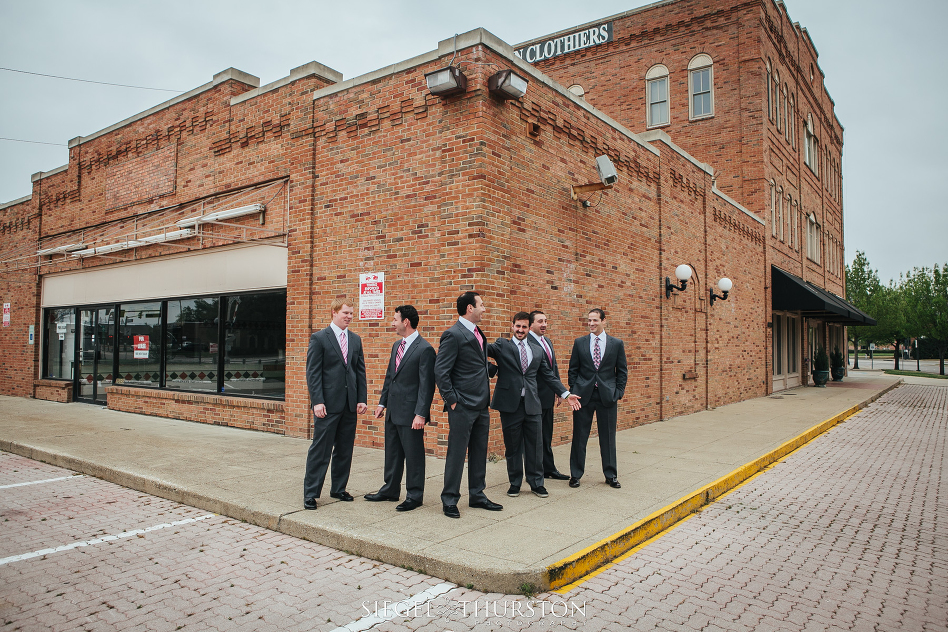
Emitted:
<point x="467" y="434"/>
<point x="404" y="450"/>
<point x="522" y="447"/>
<point x="549" y="465"/>
<point x="582" y="425"/>
<point x="333" y="438"/>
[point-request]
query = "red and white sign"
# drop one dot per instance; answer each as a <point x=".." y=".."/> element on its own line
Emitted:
<point x="372" y="296"/>
<point x="141" y="346"/>
<point x="6" y="314"/>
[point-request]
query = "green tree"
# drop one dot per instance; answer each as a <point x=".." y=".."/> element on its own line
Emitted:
<point x="891" y="323"/>
<point x="926" y="307"/>
<point x="864" y="290"/>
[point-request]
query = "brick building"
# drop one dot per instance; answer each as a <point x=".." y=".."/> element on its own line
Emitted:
<point x="178" y="263"/>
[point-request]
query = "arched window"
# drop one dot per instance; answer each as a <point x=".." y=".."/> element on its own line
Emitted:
<point x="780" y="212"/>
<point x="770" y="92"/>
<point x="810" y="146"/>
<point x="786" y="119"/>
<point x="773" y="207"/>
<point x="656" y="95"/>
<point x="789" y="220"/>
<point x="795" y="226"/>
<point x="777" y="97"/>
<point x="700" y="87"/>
<point x="792" y="124"/>
<point x="577" y="90"/>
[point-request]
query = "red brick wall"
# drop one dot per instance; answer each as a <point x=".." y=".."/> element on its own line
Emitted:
<point x="19" y="226"/>
<point x="53" y="390"/>
<point x="236" y="412"/>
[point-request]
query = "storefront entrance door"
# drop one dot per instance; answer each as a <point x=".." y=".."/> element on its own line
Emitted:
<point x="96" y="339"/>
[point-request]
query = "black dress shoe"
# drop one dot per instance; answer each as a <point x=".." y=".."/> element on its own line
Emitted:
<point x="378" y="497"/>
<point x="513" y="492"/>
<point x="556" y="476"/>
<point x="343" y="496"/>
<point x="613" y="483"/>
<point x="540" y="491"/>
<point x="410" y="504"/>
<point x="451" y="511"/>
<point x="573" y="482"/>
<point x="485" y="504"/>
<point x="309" y="503"/>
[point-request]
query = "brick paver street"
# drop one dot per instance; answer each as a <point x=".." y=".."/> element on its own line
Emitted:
<point x="849" y="533"/>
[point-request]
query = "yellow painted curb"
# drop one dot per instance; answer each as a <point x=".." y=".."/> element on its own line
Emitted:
<point x="572" y="569"/>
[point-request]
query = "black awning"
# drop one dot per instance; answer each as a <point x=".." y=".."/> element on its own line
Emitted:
<point x="793" y="294"/>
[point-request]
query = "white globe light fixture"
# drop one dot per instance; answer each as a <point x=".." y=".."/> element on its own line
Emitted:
<point x="725" y="285"/>
<point x="683" y="274"/>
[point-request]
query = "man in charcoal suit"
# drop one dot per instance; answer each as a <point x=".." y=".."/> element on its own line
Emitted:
<point x="520" y="367"/>
<point x="407" y="392"/>
<point x="335" y="375"/>
<point x="598" y="373"/>
<point x="548" y="399"/>
<point x="461" y="376"/>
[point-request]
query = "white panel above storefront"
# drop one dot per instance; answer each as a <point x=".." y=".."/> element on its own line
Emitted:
<point x="237" y="269"/>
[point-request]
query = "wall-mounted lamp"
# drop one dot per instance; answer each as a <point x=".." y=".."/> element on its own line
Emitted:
<point x="446" y="82"/>
<point x="725" y="285"/>
<point x="506" y="85"/>
<point x="682" y="273"/>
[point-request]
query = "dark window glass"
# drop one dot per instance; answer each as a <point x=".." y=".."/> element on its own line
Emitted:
<point x="61" y="343"/>
<point x="255" y="345"/>
<point x="191" y="347"/>
<point x="139" y="344"/>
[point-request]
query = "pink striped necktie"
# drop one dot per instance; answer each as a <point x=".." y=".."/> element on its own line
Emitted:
<point x="546" y="348"/>
<point x="480" y="338"/>
<point x="399" y="353"/>
<point x="344" y="345"/>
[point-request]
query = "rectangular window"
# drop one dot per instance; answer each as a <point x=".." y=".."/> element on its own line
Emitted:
<point x="812" y="240"/>
<point x="778" y="344"/>
<point x="139" y="344"/>
<point x="701" y="102"/>
<point x="658" y="102"/>
<point x="60" y="343"/>
<point x="192" y="345"/>
<point x="255" y="345"/>
<point x="792" y="343"/>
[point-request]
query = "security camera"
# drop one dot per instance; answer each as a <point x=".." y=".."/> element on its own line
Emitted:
<point x="607" y="171"/>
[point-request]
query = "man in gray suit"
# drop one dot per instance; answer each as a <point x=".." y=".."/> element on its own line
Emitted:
<point x="407" y="392"/>
<point x="335" y="375"/>
<point x="598" y="373"/>
<point x="461" y="375"/>
<point x="519" y="368"/>
<point x="548" y="399"/>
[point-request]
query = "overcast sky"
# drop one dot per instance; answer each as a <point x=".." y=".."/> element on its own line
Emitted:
<point x="881" y="61"/>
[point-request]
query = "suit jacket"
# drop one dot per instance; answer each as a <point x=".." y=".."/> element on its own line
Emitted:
<point x="547" y="396"/>
<point x="409" y="390"/>
<point x="461" y="369"/>
<point x="511" y="379"/>
<point x="331" y="381"/>
<point x="611" y="377"/>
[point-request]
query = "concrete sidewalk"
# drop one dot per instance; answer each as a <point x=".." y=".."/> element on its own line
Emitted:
<point x="257" y="477"/>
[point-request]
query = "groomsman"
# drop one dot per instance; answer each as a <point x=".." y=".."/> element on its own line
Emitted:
<point x="520" y="367"/>
<point x="335" y="375"/>
<point x="462" y="378"/>
<point x="407" y="392"/>
<point x="548" y="399"/>
<point x="598" y="374"/>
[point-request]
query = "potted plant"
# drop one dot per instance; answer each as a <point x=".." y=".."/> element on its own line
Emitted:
<point x="821" y="367"/>
<point x="837" y="365"/>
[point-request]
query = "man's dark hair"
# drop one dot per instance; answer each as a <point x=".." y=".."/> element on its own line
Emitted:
<point x="520" y="316"/>
<point x="409" y="313"/>
<point x="602" y="313"/>
<point x="468" y="298"/>
<point x="534" y="314"/>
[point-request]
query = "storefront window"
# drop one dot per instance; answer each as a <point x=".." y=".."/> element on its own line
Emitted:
<point x="255" y="345"/>
<point x="139" y="346"/>
<point x="60" y="343"/>
<point x="191" y="347"/>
